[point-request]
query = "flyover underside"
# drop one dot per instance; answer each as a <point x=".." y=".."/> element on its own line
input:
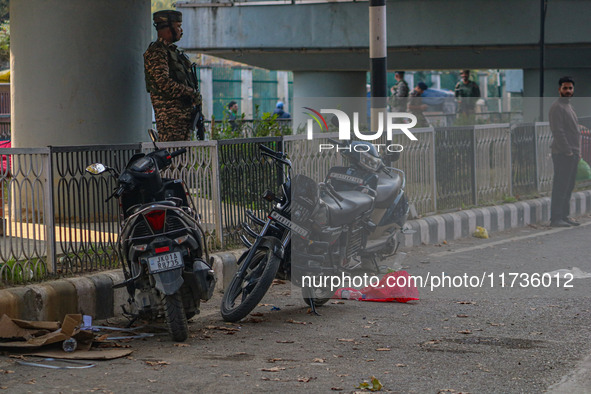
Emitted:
<point x="410" y="58"/>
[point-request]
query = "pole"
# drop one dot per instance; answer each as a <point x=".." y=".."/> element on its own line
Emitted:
<point x="543" y="7"/>
<point x="377" y="54"/>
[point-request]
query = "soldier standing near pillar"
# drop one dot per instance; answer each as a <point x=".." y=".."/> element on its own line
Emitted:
<point x="171" y="81"/>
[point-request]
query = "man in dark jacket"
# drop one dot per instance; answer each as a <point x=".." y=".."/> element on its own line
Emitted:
<point x="281" y="114"/>
<point x="170" y="80"/>
<point x="566" y="148"/>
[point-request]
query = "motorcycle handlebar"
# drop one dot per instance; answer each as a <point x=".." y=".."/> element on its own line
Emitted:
<point x="178" y="152"/>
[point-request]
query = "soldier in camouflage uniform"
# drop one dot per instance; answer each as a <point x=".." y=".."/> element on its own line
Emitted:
<point x="400" y="91"/>
<point x="171" y="81"/>
<point x="468" y="92"/>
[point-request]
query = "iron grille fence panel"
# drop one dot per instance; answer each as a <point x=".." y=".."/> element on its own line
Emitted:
<point x="25" y="224"/>
<point x="544" y="156"/>
<point x="244" y="176"/>
<point x="306" y="157"/>
<point x="417" y="160"/>
<point x="523" y="162"/>
<point x="454" y="166"/>
<point x="492" y="151"/>
<point x="86" y="226"/>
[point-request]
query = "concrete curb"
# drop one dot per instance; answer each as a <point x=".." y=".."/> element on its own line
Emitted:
<point x="93" y="294"/>
<point x="450" y="226"/>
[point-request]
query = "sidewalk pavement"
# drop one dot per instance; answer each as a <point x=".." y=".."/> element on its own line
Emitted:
<point x="93" y="294"/>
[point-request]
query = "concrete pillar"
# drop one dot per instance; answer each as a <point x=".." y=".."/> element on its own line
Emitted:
<point x="436" y="80"/>
<point x="483" y="84"/>
<point x="409" y="77"/>
<point x="329" y="84"/>
<point x="206" y="76"/>
<point x="77" y="72"/>
<point x="318" y="89"/>
<point x="283" y="88"/>
<point x="246" y="92"/>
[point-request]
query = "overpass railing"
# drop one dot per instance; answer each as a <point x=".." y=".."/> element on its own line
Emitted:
<point x="54" y="220"/>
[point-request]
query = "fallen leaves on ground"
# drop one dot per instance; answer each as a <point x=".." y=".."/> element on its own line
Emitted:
<point x="346" y="340"/>
<point x="222" y="328"/>
<point x="181" y="345"/>
<point x="383" y="349"/>
<point x="319" y="360"/>
<point x="157" y="363"/>
<point x="305" y="379"/>
<point x="296" y="322"/>
<point x="284" y="341"/>
<point x="278" y="282"/>
<point x="373" y="385"/>
<point x="257" y="314"/>
<point x="462" y="316"/>
<point x="465" y="332"/>
<point x="274" y="369"/>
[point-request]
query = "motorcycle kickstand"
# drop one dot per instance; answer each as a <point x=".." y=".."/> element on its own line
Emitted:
<point x="310" y="299"/>
<point x="313" y="307"/>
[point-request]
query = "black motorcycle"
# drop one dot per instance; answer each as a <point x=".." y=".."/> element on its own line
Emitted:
<point x="328" y="229"/>
<point x="161" y="243"/>
<point x="363" y="164"/>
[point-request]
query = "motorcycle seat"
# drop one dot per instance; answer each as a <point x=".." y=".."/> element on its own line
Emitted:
<point x="354" y="204"/>
<point x="388" y="188"/>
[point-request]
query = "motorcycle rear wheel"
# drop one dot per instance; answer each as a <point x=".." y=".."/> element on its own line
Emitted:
<point x="252" y="285"/>
<point x="176" y="320"/>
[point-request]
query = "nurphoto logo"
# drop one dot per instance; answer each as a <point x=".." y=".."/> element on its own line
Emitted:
<point x="386" y="122"/>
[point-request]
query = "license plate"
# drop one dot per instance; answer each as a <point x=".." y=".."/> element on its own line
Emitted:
<point x="165" y="262"/>
<point x="289" y="224"/>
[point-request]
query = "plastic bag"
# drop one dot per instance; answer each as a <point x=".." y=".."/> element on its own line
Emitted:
<point x="583" y="171"/>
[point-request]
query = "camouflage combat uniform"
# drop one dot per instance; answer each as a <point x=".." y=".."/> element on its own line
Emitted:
<point x="398" y="100"/>
<point x="468" y="93"/>
<point x="173" y="90"/>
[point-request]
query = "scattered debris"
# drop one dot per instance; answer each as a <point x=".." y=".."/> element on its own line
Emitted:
<point x="373" y="385"/>
<point x="274" y="369"/>
<point x="55" y="364"/>
<point x="480" y="233"/>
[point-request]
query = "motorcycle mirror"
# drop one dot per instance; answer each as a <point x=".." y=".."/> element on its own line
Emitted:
<point x="96" y="168"/>
<point x="390" y="157"/>
<point x="154" y="136"/>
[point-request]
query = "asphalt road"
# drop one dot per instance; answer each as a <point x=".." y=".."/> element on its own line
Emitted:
<point x="528" y="336"/>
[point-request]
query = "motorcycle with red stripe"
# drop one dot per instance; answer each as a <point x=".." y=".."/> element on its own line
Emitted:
<point x="161" y="244"/>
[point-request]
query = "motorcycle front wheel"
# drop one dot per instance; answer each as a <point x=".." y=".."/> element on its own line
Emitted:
<point x="176" y="320"/>
<point x="247" y="290"/>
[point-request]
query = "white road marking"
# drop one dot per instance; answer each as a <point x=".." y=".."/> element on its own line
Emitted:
<point x="504" y="241"/>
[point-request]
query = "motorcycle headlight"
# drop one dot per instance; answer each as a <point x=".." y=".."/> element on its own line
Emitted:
<point x="370" y="162"/>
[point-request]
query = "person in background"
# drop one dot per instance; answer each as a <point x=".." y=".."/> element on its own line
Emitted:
<point x="566" y="148"/>
<point x="281" y="114"/>
<point x="467" y="92"/>
<point x="400" y="92"/>
<point x="416" y="105"/>
<point x="171" y="80"/>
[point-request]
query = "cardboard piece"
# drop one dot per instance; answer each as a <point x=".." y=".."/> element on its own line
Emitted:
<point x="104" y="354"/>
<point x="69" y="328"/>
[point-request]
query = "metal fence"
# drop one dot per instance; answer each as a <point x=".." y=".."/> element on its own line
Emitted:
<point x="55" y="221"/>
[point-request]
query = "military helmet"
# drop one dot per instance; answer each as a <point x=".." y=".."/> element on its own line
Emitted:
<point x="165" y="18"/>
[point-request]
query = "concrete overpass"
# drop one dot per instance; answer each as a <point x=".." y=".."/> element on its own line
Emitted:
<point x="326" y="43"/>
<point x="77" y="65"/>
